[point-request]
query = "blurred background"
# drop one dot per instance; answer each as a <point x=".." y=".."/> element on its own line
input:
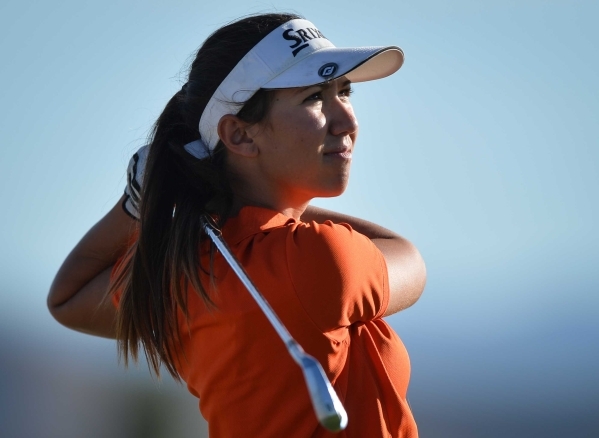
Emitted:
<point x="482" y="150"/>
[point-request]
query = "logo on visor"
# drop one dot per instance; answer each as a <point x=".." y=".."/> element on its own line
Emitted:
<point x="301" y="38"/>
<point x="327" y="70"/>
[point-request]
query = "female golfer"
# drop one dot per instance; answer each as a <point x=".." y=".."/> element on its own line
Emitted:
<point x="263" y="125"/>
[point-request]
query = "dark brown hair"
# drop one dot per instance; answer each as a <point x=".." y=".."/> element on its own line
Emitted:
<point x="178" y="190"/>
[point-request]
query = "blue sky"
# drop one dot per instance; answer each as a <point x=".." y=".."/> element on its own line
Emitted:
<point x="483" y="150"/>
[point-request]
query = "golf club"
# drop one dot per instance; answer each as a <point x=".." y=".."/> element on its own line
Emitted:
<point x="326" y="403"/>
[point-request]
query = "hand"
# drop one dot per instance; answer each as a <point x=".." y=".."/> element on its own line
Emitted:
<point x="135" y="177"/>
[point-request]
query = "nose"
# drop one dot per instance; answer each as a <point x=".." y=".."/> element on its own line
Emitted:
<point x="343" y="120"/>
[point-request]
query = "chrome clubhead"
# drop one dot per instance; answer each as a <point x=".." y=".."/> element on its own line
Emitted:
<point x="327" y="406"/>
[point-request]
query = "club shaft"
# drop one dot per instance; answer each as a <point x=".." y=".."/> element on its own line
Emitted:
<point x="260" y="300"/>
<point x="327" y="406"/>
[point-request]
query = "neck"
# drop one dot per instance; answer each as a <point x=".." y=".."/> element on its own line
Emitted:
<point x="293" y="211"/>
<point x="251" y="187"/>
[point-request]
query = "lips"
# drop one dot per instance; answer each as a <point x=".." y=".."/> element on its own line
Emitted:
<point x="343" y="152"/>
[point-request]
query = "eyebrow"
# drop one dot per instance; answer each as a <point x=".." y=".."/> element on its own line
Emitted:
<point x="323" y="85"/>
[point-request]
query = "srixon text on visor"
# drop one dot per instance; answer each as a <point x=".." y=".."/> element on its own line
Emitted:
<point x="301" y="36"/>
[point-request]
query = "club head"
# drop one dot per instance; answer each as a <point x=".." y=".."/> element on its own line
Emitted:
<point x="327" y="406"/>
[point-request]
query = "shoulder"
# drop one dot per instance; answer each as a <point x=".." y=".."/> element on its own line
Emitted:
<point x="328" y="239"/>
<point x="337" y="272"/>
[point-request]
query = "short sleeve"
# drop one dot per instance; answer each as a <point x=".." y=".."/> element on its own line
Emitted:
<point x="339" y="275"/>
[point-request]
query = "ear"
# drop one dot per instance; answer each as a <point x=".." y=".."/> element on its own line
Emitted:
<point x="233" y="132"/>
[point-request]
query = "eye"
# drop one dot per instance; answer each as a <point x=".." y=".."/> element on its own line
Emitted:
<point x="346" y="92"/>
<point x="314" y="96"/>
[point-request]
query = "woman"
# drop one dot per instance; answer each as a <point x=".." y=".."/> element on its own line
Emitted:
<point x="263" y="125"/>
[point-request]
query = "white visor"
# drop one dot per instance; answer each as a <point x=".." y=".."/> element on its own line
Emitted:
<point x="296" y="54"/>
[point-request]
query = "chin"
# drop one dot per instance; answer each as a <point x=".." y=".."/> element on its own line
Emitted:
<point x="334" y="190"/>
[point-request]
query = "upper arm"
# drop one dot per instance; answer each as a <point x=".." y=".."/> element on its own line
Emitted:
<point x="77" y="295"/>
<point x="406" y="272"/>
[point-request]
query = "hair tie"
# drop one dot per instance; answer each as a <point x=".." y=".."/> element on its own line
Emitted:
<point x="198" y="149"/>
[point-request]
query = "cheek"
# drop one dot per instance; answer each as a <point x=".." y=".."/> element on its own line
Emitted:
<point x="294" y="131"/>
<point x="308" y="131"/>
<point x="315" y="122"/>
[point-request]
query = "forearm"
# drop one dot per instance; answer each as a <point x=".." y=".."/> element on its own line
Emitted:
<point x="369" y="229"/>
<point x="79" y="268"/>
<point x="89" y="310"/>
<point x="77" y="295"/>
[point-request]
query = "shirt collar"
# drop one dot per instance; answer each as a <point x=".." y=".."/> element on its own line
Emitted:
<point x="253" y="220"/>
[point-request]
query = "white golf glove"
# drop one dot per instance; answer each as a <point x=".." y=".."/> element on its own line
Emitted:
<point x="135" y="178"/>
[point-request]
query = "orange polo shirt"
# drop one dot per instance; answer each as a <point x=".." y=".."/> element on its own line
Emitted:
<point x="329" y="286"/>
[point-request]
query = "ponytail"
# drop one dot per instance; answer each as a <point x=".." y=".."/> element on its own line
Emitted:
<point x="165" y="258"/>
<point x="177" y="190"/>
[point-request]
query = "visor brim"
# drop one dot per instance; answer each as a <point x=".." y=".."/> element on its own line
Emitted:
<point x="358" y="64"/>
